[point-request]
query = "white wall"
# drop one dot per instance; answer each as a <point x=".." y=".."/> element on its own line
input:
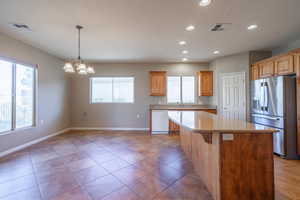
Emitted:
<point x="53" y="92"/>
<point x="108" y="115"/>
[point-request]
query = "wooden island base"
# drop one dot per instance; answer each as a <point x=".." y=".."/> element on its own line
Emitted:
<point x="233" y="165"/>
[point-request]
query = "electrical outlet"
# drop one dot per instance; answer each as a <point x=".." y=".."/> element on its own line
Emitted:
<point x="42" y="122"/>
<point x="138" y="116"/>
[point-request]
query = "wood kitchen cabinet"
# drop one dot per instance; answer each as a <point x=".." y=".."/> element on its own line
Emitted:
<point x="255" y="72"/>
<point x="205" y="83"/>
<point x="266" y="69"/>
<point x="158" y="82"/>
<point x="284" y="65"/>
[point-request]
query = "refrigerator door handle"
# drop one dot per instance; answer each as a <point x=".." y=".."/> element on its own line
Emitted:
<point x="266" y="117"/>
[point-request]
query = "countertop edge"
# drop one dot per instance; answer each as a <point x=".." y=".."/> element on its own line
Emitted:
<point x="223" y="131"/>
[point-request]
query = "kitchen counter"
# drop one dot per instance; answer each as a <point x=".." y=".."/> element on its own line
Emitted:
<point x="182" y="107"/>
<point x="159" y="119"/>
<point x="203" y="122"/>
<point x="233" y="158"/>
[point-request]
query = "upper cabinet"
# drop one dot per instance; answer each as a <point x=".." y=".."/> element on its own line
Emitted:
<point x="266" y="69"/>
<point x="297" y="63"/>
<point x="158" y="82"/>
<point x="205" y="83"/>
<point x="255" y="72"/>
<point x="284" y="65"/>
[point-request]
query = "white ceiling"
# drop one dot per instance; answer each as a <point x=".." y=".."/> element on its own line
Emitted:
<point x="149" y="30"/>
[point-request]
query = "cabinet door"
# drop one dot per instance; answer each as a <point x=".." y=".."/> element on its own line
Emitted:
<point x="205" y="83"/>
<point x="297" y="63"/>
<point x="158" y="83"/>
<point x="266" y="69"/>
<point x="254" y="72"/>
<point x="284" y="65"/>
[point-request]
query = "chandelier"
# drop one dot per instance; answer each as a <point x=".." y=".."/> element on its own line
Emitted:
<point x="80" y="67"/>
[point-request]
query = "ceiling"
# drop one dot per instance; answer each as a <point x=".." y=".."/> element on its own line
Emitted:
<point x="149" y="30"/>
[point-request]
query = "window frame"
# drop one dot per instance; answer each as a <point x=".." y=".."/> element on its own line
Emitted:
<point x="181" y="98"/>
<point x="112" y="102"/>
<point x="14" y="64"/>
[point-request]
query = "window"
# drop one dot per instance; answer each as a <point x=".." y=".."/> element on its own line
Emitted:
<point x="181" y="89"/>
<point x="112" y="90"/>
<point x="17" y="96"/>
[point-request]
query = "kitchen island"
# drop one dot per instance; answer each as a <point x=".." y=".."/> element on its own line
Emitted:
<point x="233" y="158"/>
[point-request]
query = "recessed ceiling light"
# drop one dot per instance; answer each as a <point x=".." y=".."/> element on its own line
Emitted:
<point x="204" y="3"/>
<point x="182" y="43"/>
<point x="190" y="28"/>
<point x="185" y="52"/>
<point x="216" y="52"/>
<point x="184" y="59"/>
<point x="252" y="27"/>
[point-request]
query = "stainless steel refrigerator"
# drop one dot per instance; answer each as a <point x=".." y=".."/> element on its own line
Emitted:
<point x="273" y="104"/>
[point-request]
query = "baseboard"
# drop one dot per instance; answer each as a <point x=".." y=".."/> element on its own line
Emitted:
<point x="23" y="146"/>
<point x="109" y="128"/>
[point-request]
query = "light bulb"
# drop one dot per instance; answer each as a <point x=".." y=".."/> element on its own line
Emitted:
<point x="69" y="68"/>
<point x="204" y="3"/>
<point x="82" y="72"/>
<point x="90" y="70"/>
<point x="81" y="66"/>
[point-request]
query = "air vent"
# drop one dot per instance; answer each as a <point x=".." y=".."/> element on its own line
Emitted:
<point x="21" y="26"/>
<point x="219" y="26"/>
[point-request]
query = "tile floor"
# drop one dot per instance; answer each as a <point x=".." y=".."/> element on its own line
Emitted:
<point x="101" y="165"/>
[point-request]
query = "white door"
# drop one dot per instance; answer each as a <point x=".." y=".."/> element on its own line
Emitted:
<point x="233" y="96"/>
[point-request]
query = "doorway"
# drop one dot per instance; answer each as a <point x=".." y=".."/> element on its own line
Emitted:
<point x="233" y="95"/>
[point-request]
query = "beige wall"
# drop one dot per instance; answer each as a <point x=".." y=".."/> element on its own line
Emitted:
<point x="84" y="114"/>
<point x="229" y="64"/>
<point x="53" y="92"/>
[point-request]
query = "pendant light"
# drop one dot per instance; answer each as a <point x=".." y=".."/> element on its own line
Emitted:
<point x="78" y="66"/>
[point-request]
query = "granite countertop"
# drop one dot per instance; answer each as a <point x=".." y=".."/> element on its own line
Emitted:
<point x="203" y="122"/>
<point x="181" y="107"/>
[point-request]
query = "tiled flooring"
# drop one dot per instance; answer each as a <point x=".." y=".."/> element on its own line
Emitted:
<point x="104" y="165"/>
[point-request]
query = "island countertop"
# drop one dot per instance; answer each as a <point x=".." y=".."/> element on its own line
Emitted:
<point x="202" y="122"/>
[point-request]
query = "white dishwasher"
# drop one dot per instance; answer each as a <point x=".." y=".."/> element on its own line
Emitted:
<point x="160" y="122"/>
